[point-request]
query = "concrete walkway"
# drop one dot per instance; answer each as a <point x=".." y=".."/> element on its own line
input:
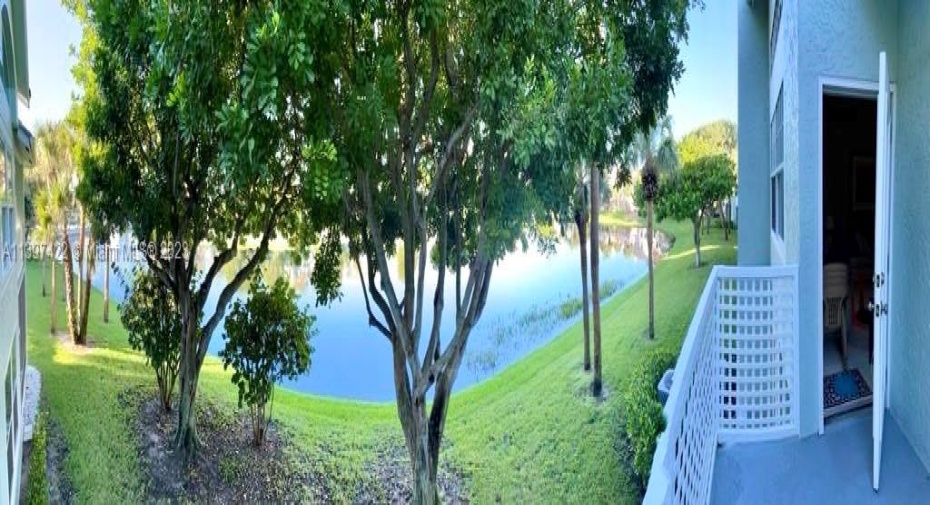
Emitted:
<point x="833" y="468"/>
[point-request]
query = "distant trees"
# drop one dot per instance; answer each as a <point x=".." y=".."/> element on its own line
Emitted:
<point x="714" y="137"/>
<point x="692" y="191"/>
<point x="267" y="340"/>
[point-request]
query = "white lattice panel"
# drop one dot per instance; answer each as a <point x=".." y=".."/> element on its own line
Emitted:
<point x="694" y="435"/>
<point x="735" y="379"/>
<point x="755" y="356"/>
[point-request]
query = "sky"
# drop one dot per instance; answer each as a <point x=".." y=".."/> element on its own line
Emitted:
<point x="706" y="91"/>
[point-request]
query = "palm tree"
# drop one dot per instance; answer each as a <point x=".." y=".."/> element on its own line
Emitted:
<point x="653" y="152"/>
<point x="55" y="164"/>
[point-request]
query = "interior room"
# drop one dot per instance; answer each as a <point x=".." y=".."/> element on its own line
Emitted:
<point x="849" y="130"/>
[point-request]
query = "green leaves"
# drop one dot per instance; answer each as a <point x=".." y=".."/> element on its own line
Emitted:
<point x="267" y="340"/>
<point x="152" y="320"/>
<point x="696" y="187"/>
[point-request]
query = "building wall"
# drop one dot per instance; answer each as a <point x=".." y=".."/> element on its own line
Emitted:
<point x="753" y="134"/>
<point x="910" y="319"/>
<point x="839" y="39"/>
<point x="12" y="278"/>
<point x="784" y="251"/>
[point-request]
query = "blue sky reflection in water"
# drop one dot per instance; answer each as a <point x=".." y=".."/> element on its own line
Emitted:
<point x="524" y="310"/>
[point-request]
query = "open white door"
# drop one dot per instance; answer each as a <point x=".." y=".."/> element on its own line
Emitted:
<point x="882" y="240"/>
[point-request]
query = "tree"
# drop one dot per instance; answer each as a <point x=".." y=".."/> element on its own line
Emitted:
<point x="582" y="205"/>
<point x="443" y="108"/>
<point x="153" y="322"/>
<point x="597" y="382"/>
<point x="626" y="66"/>
<point x="654" y="153"/>
<point x="56" y="169"/>
<point x="715" y="137"/>
<point x="106" y="280"/>
<point x="209" y="122"/>
<point x="461" y="124"/>
<point x="693" y="190"/>
<point x="267" y="340"/>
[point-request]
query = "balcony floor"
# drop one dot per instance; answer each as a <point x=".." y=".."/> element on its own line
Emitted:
<point x="833" y="468"/>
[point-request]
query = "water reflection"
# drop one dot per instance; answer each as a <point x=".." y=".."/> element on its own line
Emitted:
<point x="533" y="296"/>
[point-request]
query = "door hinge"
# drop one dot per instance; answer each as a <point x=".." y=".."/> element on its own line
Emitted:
<point x="879" y="279"/>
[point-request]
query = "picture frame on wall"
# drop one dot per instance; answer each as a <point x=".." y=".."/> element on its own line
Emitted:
<point x="863" y="183"/>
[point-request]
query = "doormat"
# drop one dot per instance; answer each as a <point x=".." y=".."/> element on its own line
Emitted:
<point x="845" y="391"/>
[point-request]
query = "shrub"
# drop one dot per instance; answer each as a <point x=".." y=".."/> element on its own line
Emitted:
<point x="267" y="340"/>
<point x="154" y="325"/>
<point x="37" y="485"/>
<point x="644" y="418"/>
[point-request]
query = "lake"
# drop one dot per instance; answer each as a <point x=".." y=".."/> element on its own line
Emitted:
<point x="533" y="297"/>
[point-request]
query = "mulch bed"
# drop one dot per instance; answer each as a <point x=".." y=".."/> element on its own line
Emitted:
<point x="229" y="469"/>
<point x="391" y="470"/>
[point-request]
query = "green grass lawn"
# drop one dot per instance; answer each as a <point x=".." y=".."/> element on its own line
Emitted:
<point x="530" y="434"/>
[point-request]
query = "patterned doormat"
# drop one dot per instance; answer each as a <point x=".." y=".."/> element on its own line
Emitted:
<point x="845" y="391"/>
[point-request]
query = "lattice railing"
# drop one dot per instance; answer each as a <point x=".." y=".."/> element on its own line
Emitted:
<point x="735" y="378"/>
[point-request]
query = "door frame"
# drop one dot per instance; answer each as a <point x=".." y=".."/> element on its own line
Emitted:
<point x="851" y="88"/>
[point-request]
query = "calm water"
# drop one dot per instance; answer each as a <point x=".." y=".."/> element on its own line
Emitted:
<point x="528" y="304"/>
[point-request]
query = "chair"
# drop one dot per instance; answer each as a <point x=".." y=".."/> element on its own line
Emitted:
<point x="836" y="301"/>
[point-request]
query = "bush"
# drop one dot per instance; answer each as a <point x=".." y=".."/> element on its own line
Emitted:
<point x="154" y="325"/>
<point x="644" y="418"/>
<point x="37" y="485"/>
<point x="267" y="340"/>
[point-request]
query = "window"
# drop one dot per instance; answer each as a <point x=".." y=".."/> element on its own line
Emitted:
<point x="777" y="173"/>
<point x="7" y="215"/>
<point x="773" y="39"/>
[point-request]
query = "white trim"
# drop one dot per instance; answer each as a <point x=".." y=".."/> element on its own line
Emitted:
<point x="778" y="245"/>
<point x="854" y="88"/>
<point x="894" y="131"/>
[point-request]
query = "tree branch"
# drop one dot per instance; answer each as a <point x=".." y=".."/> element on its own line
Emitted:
<point x="372" y="320"/>
<point x="401" y="330"/>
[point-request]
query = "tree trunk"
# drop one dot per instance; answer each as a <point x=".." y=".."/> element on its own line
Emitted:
<point x="68" y="261"/>
<point x="597" y="382"/>
<point x="649" y="259"/>
<point x="697" y="242"/>
<point x="581" y="222"/>
<point x="106" y="284"/>
<point x="89" y="264"/>
<point x="81" y="253"/>
<point x="721" y="208"/>
<point x="53" y="308"/>
<point x="416" y="427"/>
<point x="44" y="267"/>
<point x="186" y="439"/>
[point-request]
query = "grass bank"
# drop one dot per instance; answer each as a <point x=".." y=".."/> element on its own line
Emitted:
<point x="529" y="434"/>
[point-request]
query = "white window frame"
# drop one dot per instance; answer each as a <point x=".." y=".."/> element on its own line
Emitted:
<point x="7" y="214"/>
<point x="777" y="172"/>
